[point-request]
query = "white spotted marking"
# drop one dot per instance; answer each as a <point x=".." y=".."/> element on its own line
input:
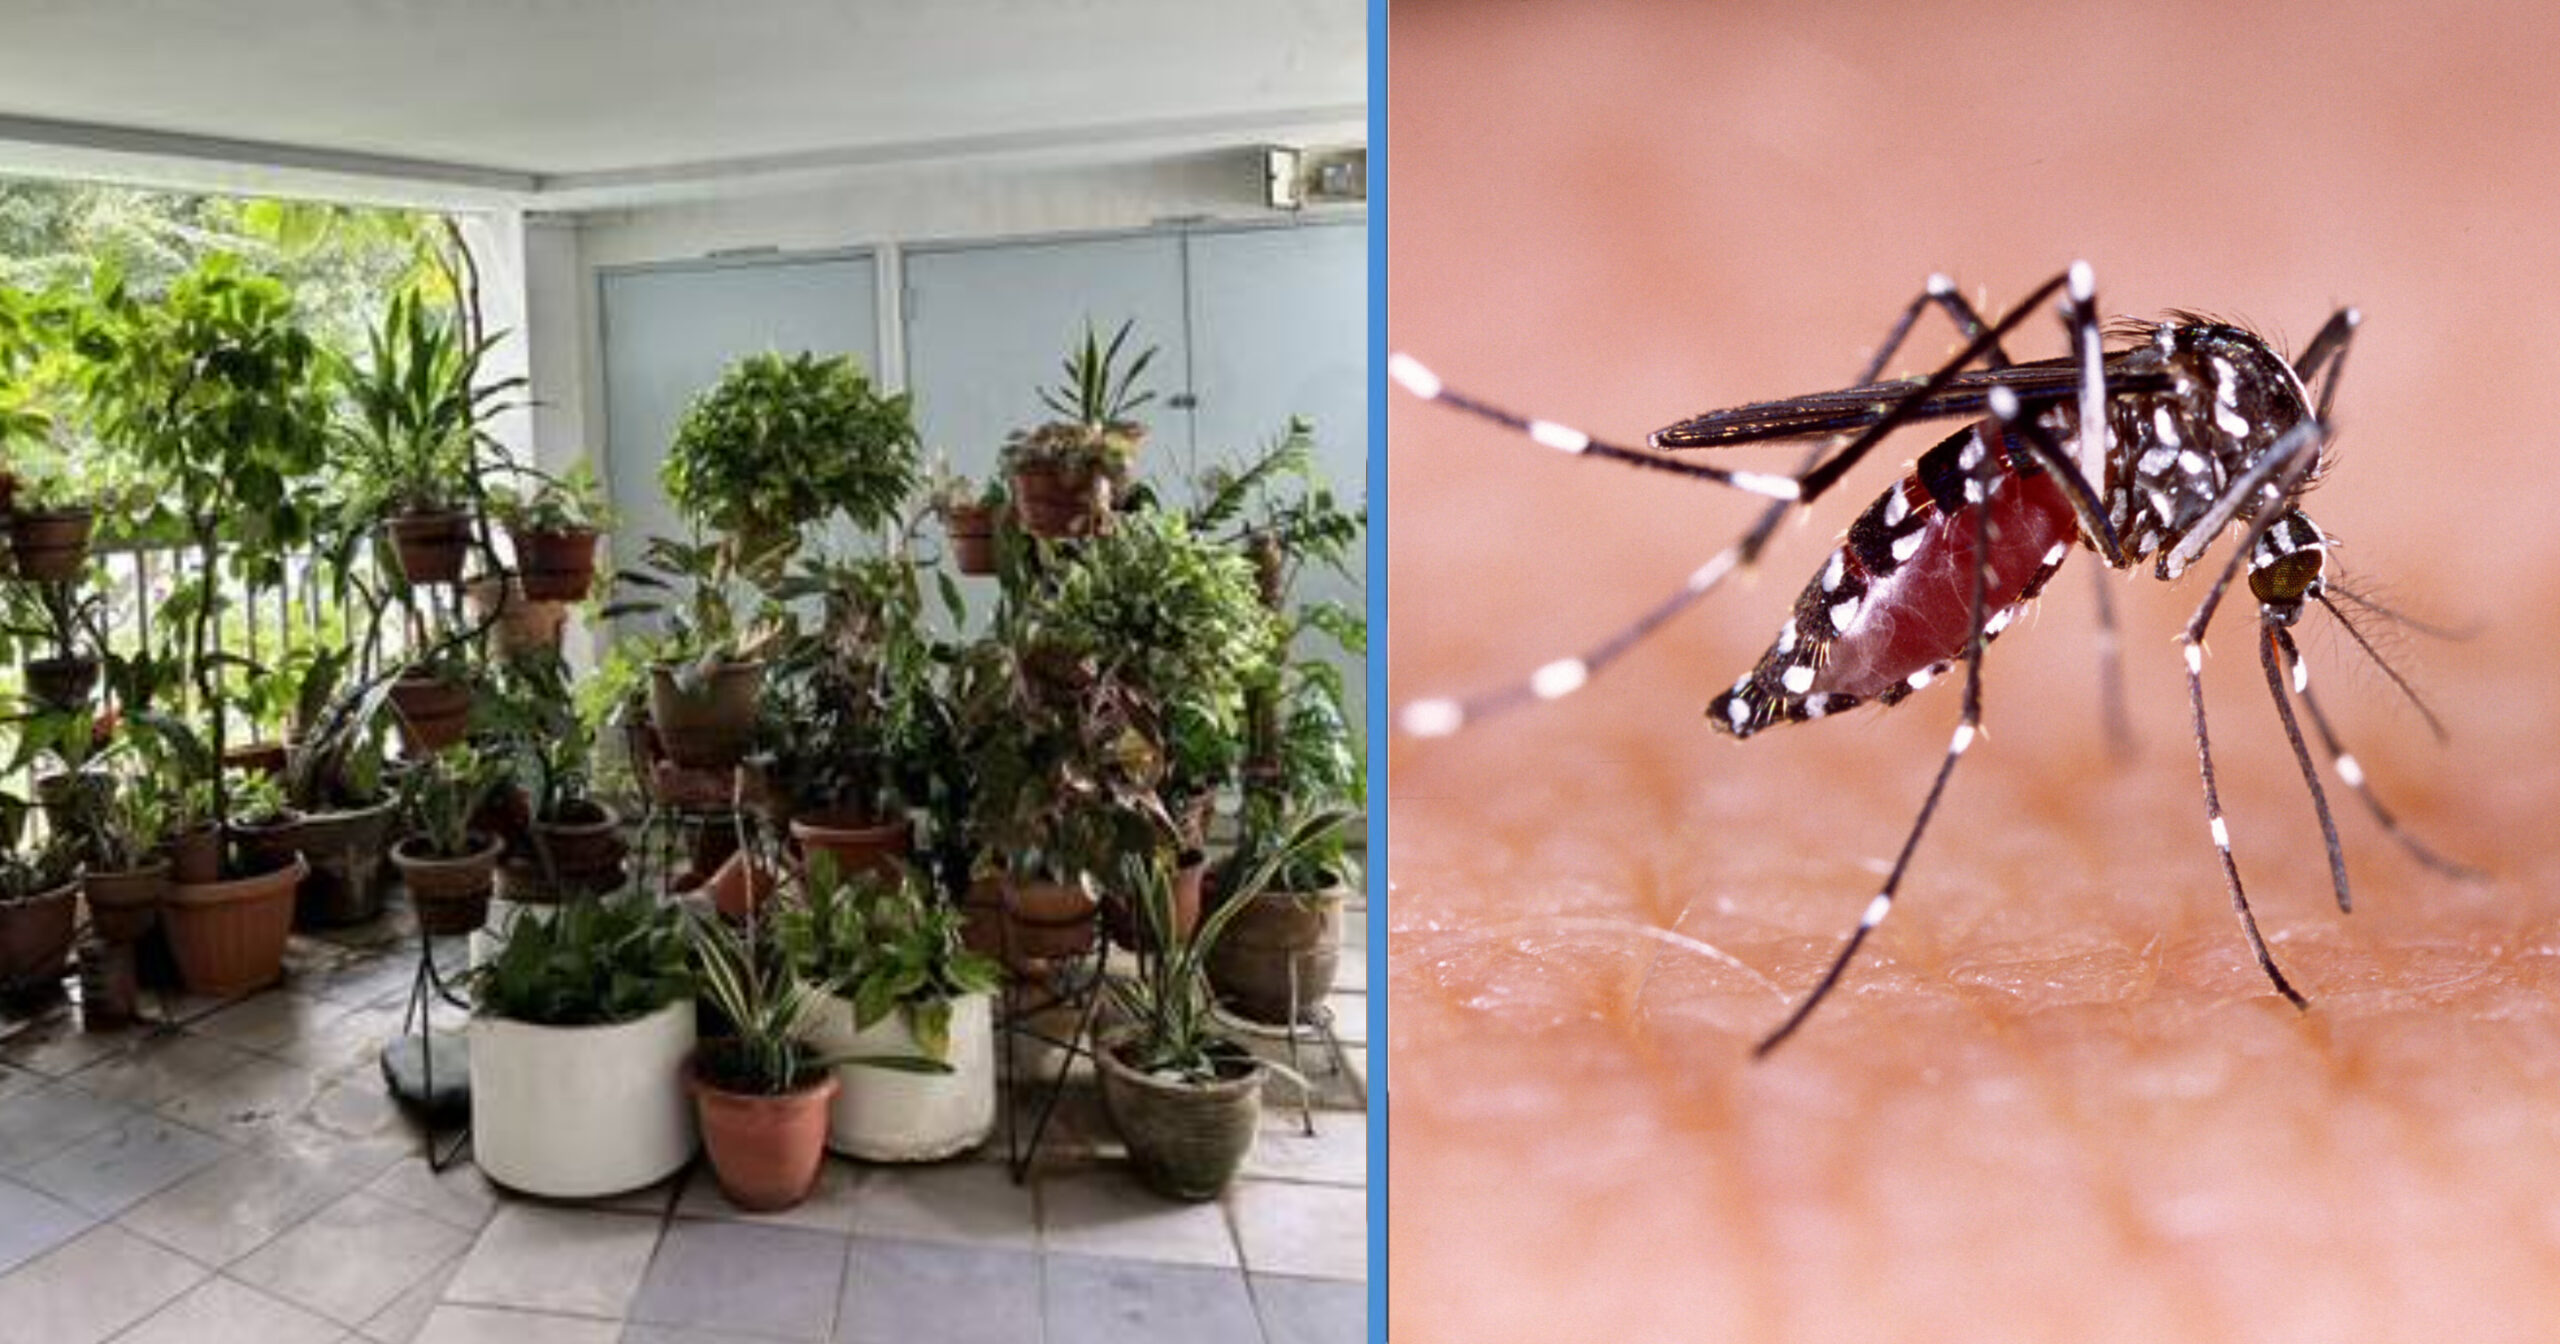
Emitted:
<point x="2158" y="459"/>
<point x="1907" y="544"/>
<point x="1815" y="706"/>
<point x="2226" y="382"/>
<point x="1962" y="740"/>
<point x="1736" y="710"/>
<point x="1560" y="678"/>
<point x="1835" y="571"/>
<point x="1999" y="620"/>
<point x="1940" y="286"/>
<point x="2004" y="402"/>
<point x="2349" y="771"/>
<point x="2084" y="282"/>
<point x="2355" y="317"/>
<point x="1409" y="374"/>
<point x="1842" y="613"/>
<point x="1972" y="491"/>
<point x="1562" y="438"/>
<point x="1920" y="680"/>
<point x="1710" y="574"/>
<point x="1787" y="638"/>
<point x="2301" y="676"/>
<point x="1896" y="508"/>
<point x="2191" y="462"/>
<point x="2054" y="554"/>
<point x="2163" y="425"/>
<point x="1877" y="909"/>
<point x="2232" y="422"/>
<point x="1797" y="679"/>
<point x="1432" y="718"/>
<point x="2150" y="542"/>
<point x="2195" y="659"/>
<point x="2221" y="833"/>
<point x="1970" y="456"/>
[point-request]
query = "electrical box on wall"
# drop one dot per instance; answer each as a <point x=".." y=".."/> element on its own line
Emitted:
<point x="1296" y="178"/>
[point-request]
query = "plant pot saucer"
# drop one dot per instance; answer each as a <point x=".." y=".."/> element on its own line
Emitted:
<point x="430" y="1075"/>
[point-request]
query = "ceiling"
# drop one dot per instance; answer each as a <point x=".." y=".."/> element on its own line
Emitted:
<point x="577" y="102"/>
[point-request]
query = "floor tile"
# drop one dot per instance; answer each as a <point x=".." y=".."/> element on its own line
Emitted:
<point x="17" y="1082"/>
<point x="400" y="1322"/>
<point x="244" y="1099"/>
<point x="1105" y="1212"/>
<point x="460" y="1194"/>
<point x="1350" y="1016"/>
<point x="220" y="1311"/>
<point x="352" y="1258"/>
<point x="236" y="1205"/>
<point x="340" y="1046"/>
<point x="1311" y="1311"/>
<point x="484" y="1325"/>
<point x="715" y="1274"/>
<point x="829" y="1207"/>
<point x="89" y="1288"/>
<point x="269" y="1021"/>
<point x="158" y="1068"/>
<point x="33" y="1222"/>
<point x="1090" y="1301"/>
<point x="1337" y="1154"/>
<point x="542" y="1257"/>
<point x="1318" y="1231"/>
<point x="124" y="1163"/>
<point x="37" y="1125"/>
<point x="57" y="1045"/>
<point x="899" y="1291"/>
<point x="971" y="1203"/>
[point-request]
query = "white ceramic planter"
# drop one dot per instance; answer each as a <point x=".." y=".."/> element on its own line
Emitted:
<point x="577" y="1112"/>
<point x="889" y="1115"/>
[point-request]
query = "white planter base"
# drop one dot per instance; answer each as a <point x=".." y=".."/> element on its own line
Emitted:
<point x="578" y="1112"/>
<point x="887" y="1115"/>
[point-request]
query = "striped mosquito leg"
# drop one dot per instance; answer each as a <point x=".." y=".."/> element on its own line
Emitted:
<point x="1969" y="324"/>
<point x="1968" y="727"/>
<point x="2222" y="830"/>
<point x="2080" y="313"/>
<point x="2111" y="699"/>
<point x="1413" y="377"/>
<point x="2275" y="648"/>
<point x="2351" y="773"/>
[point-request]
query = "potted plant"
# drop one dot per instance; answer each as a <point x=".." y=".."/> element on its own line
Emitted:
<point x="969" y="514"/>
<point x="780" y="443"/>
<point x="335" y="777"/>
<point x="126" y="876"/>
<point x="1186" y="1098"/>
<point x="761" y="1094"/>
<point x="1065" y="470"/>
<point x="582" y="1025"/>
<point x="710" y="670"/>
<point x="573" y="839"/>
<point x="849" y="705"/>
<point x="447" y="865"/>
<point x="553" y="527"/>
<point x="39" y="903"/>
<point x="51" y="517"/>
<point x="413" y="412"/>
<point x="905" y="1003"/>
<point x="432" y="696"/>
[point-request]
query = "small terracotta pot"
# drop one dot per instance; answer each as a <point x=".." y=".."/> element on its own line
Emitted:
<point x="1128" y="928"/>
<point x="740" y="885"/>
<point x="1048" y="502"/>
<point x="229" y="936"/>
<point x="1042" y="921"/>
<point x="972" y="531"/>
<point x="556" y="566"/>
<point x="345" y="849"/>
<point x="431" y="543"/>
<point x="269" y="843"/>
<point x="765" y="1150"/>
<point x="585" y="847"/>
<point x="196" y="855"/>
<point x="35" y="938"/>
<point x="434" y="713"/>
<point x="451" y="894"/>
<point x="50" y="546"/>
<point x="1250" y="967"/>
<point x="525" y="624"/>
<point x="705" y="726"/>
<point x="124" y="904"/>
<point x="859" y="843"/>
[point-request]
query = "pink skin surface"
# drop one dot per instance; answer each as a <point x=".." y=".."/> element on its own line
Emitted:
<point x="2053" y="1099"/>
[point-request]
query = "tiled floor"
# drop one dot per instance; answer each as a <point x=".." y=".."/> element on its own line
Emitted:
<point x="236" y="1172"/>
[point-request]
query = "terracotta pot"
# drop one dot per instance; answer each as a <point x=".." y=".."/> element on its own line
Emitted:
<point x="434" y="713"/>
<point x="431" y="543"/>
<point x="61" y="683"/>
<point x="1043" y="921"/>
<point x="765" y="1150"/>
<point x="229" y="936"/>
<point x="345" y="851"/>
<point x="36" y="934"/>
<point x="1250" y="967"/>
<point x="972" y="530"/>
<point x="556" y="566"/>
<point x="1048" y="502"/>
<point x="271" y="842"/>
<point x="1127" y="928"/>
<point x="705" y="726"/>
<point x="583" y="848"/>
<point x="124" y="904"/>
<point x="691" y="790"/>
<point x="51" y="545"/>
<point x="196" y="855"/>
<point x="740" y="885"/>
<point x="524" y="625"/>
<point x="451" y="894"/>
<point x="1186" y="1140"/>
<point x="858" y="843"/>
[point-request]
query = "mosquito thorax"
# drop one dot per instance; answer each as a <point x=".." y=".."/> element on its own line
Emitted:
<point x="2286" y="566"/>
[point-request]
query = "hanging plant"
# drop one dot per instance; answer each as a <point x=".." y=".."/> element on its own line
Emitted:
<point x="780" y="443"/>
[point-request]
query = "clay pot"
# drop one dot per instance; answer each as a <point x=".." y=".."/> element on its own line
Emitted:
<point x="124" y="904"/>
<point x="196" y="855"/>
<point x="583" y="847"/>
<point x="61" y="683"/>
<point x="705" y="726"/>
<point x="765" y="1150"/>
<point x="1250" y="967"/>
<point x="36" y="934"/>
<point x="451" y="894"/>
<point x="858" y="843"/>
<point x="345" y="851"/>
<point x="434" y="713"/>
<point x="431" y="543"/>
<point x="51" y="545"/>
<point x="1186" y="1140"/>
<point x="556" y="566"/>
<point x="229" y="936"/>
<point x="1048" y="502"/>
<point x="1043" y="921"/>
<point x="740" y="885"/>
<point x="1128" y="928"/>
<point x="524" y="624"/>
<point x="972" y="531"/>
<point x="269" y="842"/>
<point x="265" y="758"/>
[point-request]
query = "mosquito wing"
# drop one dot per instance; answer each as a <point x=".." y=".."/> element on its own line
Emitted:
<point x="2039" y="382"/>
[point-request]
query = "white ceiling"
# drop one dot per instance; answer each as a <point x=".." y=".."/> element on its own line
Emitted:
<point x="587" y="101"/>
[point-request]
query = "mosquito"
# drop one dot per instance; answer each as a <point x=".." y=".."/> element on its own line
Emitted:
<point x="2200" y="428"/>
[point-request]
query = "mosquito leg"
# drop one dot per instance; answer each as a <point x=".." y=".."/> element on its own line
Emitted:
<point x="1941" y="291"/>
<point x="1968" y="726"/>
<point x="2328" y="353"/>
<point x="2351" y="773"/>
<point x="1410" y="374"/>
<point x="2274" y="645"/>
<point x="2111" y="699"/>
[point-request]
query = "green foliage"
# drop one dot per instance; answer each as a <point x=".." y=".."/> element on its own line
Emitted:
<point x="65" y="619"/>
<point x="442" y="793"/>
<point x="257" y="798"/>
<point x="31" y="864"/>
<point x="1099" y="390"/>
<point x="888" y="945"/>
<point x="571" y="501"/>
<point x="780" y="443"/>
<point x="768" y="1009"/>
<point x="535" y="722"/>
<point x="593" y="963"/>
<point x="414" y="411"/>
<point x="137" y="817"/>
<point x="851" y="711"/>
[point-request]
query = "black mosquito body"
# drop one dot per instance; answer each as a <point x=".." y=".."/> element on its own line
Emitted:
<point x="2144" y="453"/>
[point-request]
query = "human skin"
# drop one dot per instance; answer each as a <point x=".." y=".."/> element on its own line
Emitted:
<point x="2053" y="1098"/>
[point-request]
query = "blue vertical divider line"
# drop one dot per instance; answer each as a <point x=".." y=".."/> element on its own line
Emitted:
<point x="1377" y="670"/>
